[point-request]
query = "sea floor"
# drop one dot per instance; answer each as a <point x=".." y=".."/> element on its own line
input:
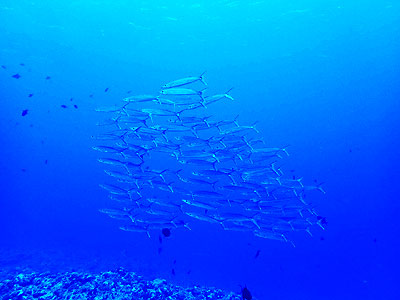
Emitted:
<point x="41" y="275"/>
<point x="117" y="284"/>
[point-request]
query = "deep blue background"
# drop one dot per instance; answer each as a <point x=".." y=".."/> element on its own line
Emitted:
<point x="322" y="76"/>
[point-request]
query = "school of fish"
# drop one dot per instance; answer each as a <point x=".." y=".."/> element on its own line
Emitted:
<point x="171" y="163"/>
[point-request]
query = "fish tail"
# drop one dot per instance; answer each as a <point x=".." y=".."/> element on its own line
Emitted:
<point x="178" y="175"/>
<point x="319" y="187"/>
<point x="284" y="150"/>
<point x="309" y="231"/>
<point x="235" y="121"/>
<point x="187" y="226"/>
<point x="255" y="222"/>
<point x="202" y="78"/>
<point x="170" y="187"/>
<point x="253" y="126"/>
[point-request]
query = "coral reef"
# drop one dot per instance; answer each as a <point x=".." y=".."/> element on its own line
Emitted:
<point x="119" y="284"/>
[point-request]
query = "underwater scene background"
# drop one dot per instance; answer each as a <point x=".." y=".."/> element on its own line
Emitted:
<point x="320" y="78"/>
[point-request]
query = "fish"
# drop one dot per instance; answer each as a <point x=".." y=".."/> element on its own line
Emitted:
<point x="141" y="98"/>
<point x="16" y="76"/>
<point x="184" y="81"/>
<point x="135" y="228"/>
<point x="203" y="218"/>
<point x="166" y="232"/>
<point x="270" y="235"/>
<point x="169" y="161"/>
<point x="24" y="112"/>
<point x="207" y="194"/>
<point x="198" y="204"/>
<point x="246" y="295"/>
<point x="212" y="99"/>
<point x="183" y="92"/>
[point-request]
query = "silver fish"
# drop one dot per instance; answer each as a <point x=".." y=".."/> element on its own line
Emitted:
<point x="184" y="81"/>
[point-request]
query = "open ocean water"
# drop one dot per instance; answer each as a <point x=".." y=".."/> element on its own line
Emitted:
<point x="247" y="149"/>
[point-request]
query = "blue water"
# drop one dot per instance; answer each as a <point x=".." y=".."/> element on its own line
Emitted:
<point x="320" y="76"/>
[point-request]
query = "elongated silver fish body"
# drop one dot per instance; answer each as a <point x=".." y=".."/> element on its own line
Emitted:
<point x="184" y="81"/>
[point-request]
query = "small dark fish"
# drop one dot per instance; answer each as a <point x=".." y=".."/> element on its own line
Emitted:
<point x="322" y="238"/>
<point x="106" y="90"/>
<point x="48" y="77"/>
<point x="294" y="177"/>
<point x="375" y="240"/>
<point x="76" y="106"/>
<point x="63" y="106"/>
<point x="350" y="150"/>
<point x="3" y="67"/>
<point x="24" y="112"/>
<point x="257" y="253"/>
<point x="246" y="295"/>
<point x="30" y="95"/>
<point x="315" y="180"/>
<point x="46" y="161"/>
<point x="160" y="239"/>
<point x="166" y="232"/>
<point x="16" y="76"/>
<point x="173" y="272"/>
<point x="188" y="272"/>
<point x="91" y="95"/>
<point x="23" y="170"/>
<point x="71" y="99"/>
<point x="22" y="64"/>
<point x="174" y="261"/>
<point x="128" y="92"/>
